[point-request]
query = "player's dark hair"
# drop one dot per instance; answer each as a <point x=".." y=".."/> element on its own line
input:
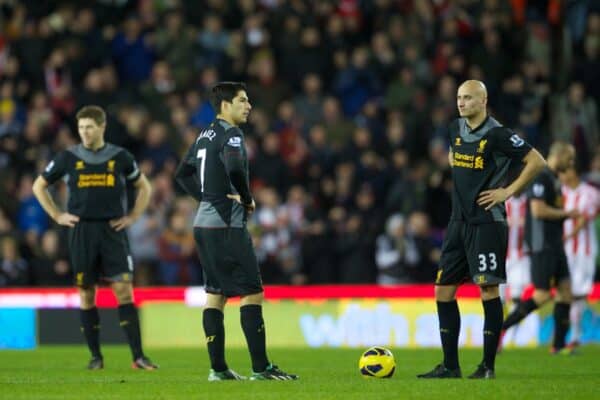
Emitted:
<point x="94" y="112"/>
<point x="224" y="91"/>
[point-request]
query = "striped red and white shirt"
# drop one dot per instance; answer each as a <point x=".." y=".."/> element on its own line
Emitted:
<point x="516" y="211"/>
<point x="586" y="199"/>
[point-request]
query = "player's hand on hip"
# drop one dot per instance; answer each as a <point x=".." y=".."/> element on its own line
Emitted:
<point x="121" y="223"/>
<point x="489" y="198"/>
<point x="235" y="197"/>
<point x="67" y="219"/>
<point x="249" y="207"/>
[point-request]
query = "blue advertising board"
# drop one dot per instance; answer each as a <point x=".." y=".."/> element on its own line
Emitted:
<point x="18" y="328"/>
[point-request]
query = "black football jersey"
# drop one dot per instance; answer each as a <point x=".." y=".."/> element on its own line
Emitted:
<point x="480" y="160"/>
<point x="544" y="233"/>
<point x="210" y="157"/>
<point x="96" y="180"/>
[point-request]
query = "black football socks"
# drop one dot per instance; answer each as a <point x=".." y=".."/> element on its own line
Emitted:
<point x="214" y="330"/>
<point x="253" y="326"/>
<point x="492" y="326"/>
<point x="449" y="318"/>
<point x="129" y="321"/>
<point x="523" y="310"/>
<point x="90" y="327"/>
<point x="561" y="324"/>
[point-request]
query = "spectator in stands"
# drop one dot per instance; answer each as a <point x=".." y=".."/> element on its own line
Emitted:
<point x="309" y="103"/>
<point x="132" y="52"/>
<point x="50" y="266"/>
<point x="269" y="166"/>
<point x="317" y="72"/>
<point x="14" y="269"/>
<point x="157" y="150"/>
<point x="175" y="44"/>
<point x="396" y="253"/>
<point x="31" y="216"/>
<point x="575" y="120"/>
<point x="177" y="253"/>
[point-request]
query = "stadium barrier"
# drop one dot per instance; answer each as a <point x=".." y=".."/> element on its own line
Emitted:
<point x="297" y="316"/>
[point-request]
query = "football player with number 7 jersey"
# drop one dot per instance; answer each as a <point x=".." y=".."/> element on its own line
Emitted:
<point x="215" y="172"/>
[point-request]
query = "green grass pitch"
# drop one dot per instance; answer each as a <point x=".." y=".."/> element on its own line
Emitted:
<point x="58" y="373"/>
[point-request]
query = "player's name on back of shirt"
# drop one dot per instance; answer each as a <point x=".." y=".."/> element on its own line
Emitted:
<point x="207" y="133"/>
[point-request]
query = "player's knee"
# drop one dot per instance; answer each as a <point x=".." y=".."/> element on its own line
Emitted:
<point x="445" y="293"/>
<point x="254" y="298"/>
<point x="87" y="297"/>
<point x="489" y="292"/>
<point x="124" y="296"/>
<point x="215" y="301"/>
<point x="123" y="293"/>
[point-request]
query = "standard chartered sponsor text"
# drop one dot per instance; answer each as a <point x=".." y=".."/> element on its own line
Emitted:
<point x="95" y="180"/>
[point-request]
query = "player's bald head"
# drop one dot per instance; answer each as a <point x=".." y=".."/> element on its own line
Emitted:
<point x="561" y="156"/>
<point x="471" y="100"/>
<point x="561" y="147"/>
<point x="474" y="87"/>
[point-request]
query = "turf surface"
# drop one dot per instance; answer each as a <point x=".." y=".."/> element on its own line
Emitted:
<point x="58" y="373"/>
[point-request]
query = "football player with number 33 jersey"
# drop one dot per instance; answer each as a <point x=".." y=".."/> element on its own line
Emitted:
<point x="481" y="153"/>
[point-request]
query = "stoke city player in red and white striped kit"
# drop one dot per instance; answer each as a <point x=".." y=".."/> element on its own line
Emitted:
<point x="517" y="257"/>
<point x="581" y="243"/>
<point x="518" y="265"/>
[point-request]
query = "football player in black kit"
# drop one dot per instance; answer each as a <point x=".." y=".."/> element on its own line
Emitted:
<point x="544" y="236"/>
<point x="215" y="172"/>
<point x="96" y="174"/>
<point x="481" y="152"/>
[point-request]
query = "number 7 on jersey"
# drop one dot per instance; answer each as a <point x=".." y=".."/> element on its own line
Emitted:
<point x="202" y="156"/>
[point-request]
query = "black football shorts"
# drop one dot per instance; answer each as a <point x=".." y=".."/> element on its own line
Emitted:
<point x="228" y="261"/>
<point x="549" y="267"/>
<point x="473" y="252"/>
<point x="98" y="252"/>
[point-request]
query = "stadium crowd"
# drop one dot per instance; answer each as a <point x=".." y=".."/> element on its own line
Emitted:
<point x="346" y="139"/>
